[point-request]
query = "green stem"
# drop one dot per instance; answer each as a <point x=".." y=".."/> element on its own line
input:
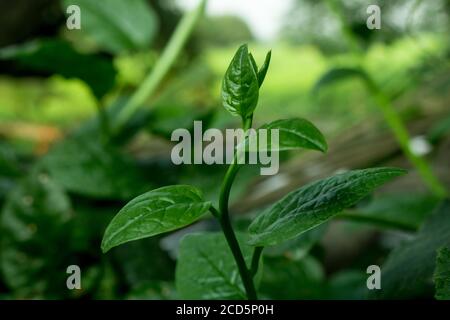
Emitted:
<point x="165" y="62"/>
<point x="402" y="136"/>
<point x="255" y="260"/>
<point x="228" y="231"/>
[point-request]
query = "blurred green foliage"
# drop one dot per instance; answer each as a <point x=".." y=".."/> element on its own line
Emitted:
<point x="56" y="203"/>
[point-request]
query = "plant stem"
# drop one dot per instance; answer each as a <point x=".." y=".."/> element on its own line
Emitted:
<point x="224" y="219"/>
<point x="165" y="62"/>
<point x="230" y="236"/>
<point x="402" y="136"/>
<point x="255" y="260"/>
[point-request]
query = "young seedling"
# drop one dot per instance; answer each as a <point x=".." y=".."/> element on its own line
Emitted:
<point x="225" y="266"/>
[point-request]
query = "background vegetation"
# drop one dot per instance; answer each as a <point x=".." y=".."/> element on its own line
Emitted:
<point x="67" y="167"/>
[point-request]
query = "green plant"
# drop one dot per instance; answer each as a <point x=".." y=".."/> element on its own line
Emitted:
<point x="209" y="263"/>
<point x="383" y="102"/>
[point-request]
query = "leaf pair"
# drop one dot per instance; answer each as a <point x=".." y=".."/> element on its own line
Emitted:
<point x="240" y="86"/>
<point x="169" y="208"/>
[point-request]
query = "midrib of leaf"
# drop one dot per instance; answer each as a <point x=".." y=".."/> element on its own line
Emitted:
<point x="287" y="216"/>
<point x="223" y="275"/>
<point x="141" y="216"/>
<point x="302" y="136"/>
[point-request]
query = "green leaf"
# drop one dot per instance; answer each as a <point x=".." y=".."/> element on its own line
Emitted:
<point x="347" y="285"/>
<point x="294" y="134"/>
<point x="263" y="71"/>
<point x="254" y="64"/>
<point x="86" y="166"/>
<point x="338" y="74"/>
<point x="206" y="268"/>
<point x="157" y="211"/>
<point x="240" y="87"/>
<point x="398" y="210"/>
<point x="96" y="71"/>
<point x="144" y="262"/>
<point x="37" y="216"/>
<point x="442" y="274"/>
<point x="291" y="279"/>
<point x="315" y="203"/>
<point x="408" y="271"/>
<point x="117" y="25"/>
<point x="298" y="247"/>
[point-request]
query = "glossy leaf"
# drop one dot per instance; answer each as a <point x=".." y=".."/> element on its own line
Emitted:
<point x="442" y="274"/>
<point x="315" y="203"/>
<point x="253" y="61"/>
<point x="206" y="268"/>
<point x="408" y="271"/>
<point x="294" y="134"/>
<point x="240" y="89"/>
<point x="117" y="26"/>
<point x="155" y="212"/>
<point x="338" y="74"/>
<point x="263" y="70"/>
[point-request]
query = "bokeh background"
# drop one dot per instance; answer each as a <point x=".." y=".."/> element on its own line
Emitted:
<point x="58" y="193"/>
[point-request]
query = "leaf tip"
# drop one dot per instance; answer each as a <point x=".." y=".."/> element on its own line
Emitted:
<point x="104" y="246"/>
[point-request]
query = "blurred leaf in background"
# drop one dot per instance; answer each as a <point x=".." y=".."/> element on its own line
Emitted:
<point x="117" y="26"/>
<point x="408" y="271"/>
<point x="97" y="71"/>
<point x="35" y="230"/>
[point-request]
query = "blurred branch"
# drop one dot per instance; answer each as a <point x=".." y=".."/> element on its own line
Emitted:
<point x="165" y="62"/>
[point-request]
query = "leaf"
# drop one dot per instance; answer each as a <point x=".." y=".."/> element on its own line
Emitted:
<point x="254" y="64"/>
<point x="263" y="71"/>
<point x="347" y="285"/>
<point x="240" y="87"/>
<point x="298" y="247"/>
<point x="337" y="74"/>
<point x="405" y="210"/>
<point x="86" y="166"/>
<point x="117" y="26"/>
<point x="144" y="262"/>
<point x="408" y="271"/>
<point x="315" y="203"/>
<point x="34" y="221"/>
<point x="206" y="268"/>
<point x="155" y="212"/>
<point x="157" y="290"/>
<point x="96" y="71"/>
<point x="294" y="134"/>
<point x="442" y="274"/>
<point x="291" y="279"/>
